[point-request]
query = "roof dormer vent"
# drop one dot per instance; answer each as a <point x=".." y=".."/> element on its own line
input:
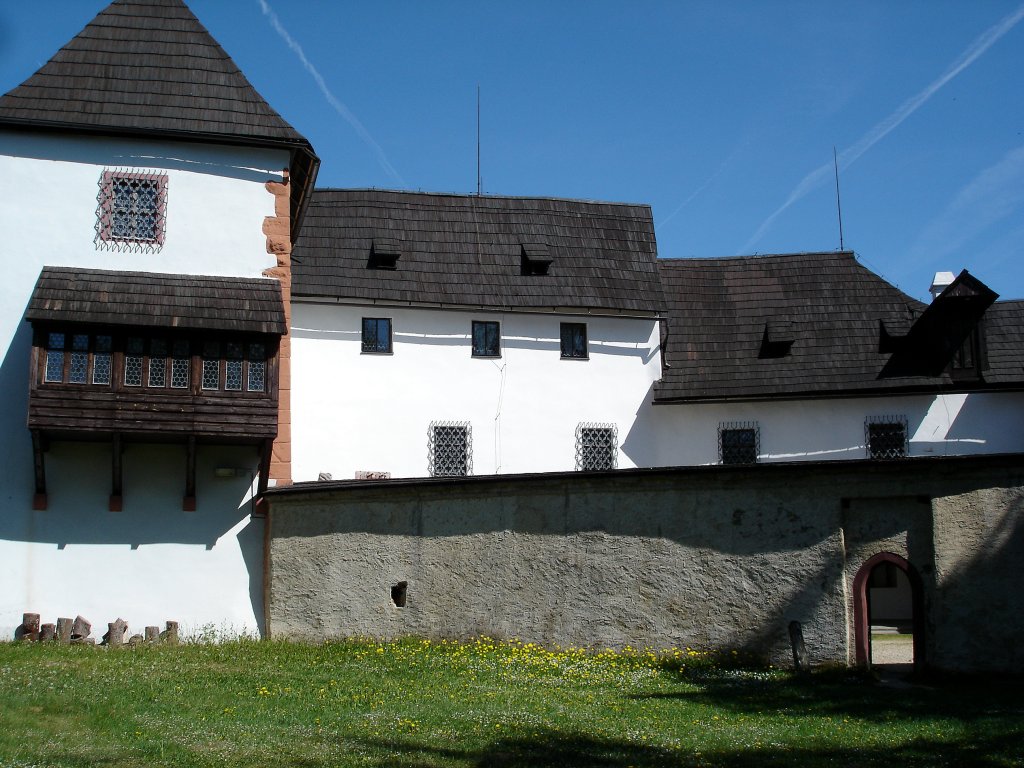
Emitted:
<point x="536" y="259"/>
<point x="940" y="282"/>
<point x="778" y="337"/>
<point x="385" y="253"/>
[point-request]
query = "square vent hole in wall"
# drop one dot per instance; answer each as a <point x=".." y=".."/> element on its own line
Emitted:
<point x="399" y="592"/>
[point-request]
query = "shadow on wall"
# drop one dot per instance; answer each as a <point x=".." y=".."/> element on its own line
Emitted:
<point x="977" y="613"/>
<point x="987" y="423"/>
<point x="641" y="442"/>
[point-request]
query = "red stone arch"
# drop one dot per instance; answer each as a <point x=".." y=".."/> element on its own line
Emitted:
<point x="862" y="618"/>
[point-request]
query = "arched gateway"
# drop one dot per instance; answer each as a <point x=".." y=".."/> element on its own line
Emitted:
<point x="862" y="612"/>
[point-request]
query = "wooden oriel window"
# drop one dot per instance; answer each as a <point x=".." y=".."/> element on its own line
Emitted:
<point x="151" y="362"/>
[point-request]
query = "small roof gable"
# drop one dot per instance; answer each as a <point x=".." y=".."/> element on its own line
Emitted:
<point x="819" y="324"/>
<point x="186" y="302"/>
<point x="469" y="250"/>
<point x="146" y="65"/>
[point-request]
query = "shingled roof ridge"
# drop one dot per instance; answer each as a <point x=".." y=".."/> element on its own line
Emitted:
<point x="472" y="196"/>
<point x="55" y="97"/>
<point x="123" y="274"/>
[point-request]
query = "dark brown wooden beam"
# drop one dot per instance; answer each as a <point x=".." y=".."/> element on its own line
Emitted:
<point x="266" y="453"/>
<point x="188" y="504"/>
<point x="116" y="485"/>
<point x="39" y="501"/>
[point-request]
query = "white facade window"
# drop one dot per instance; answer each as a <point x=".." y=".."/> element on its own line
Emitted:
<point x="486" y="338"/>
<point x="597" y="447"/>
<point x="132" y="211"/>
<point x="739" y="442"/>
<point x="449" y="449"/>
<point x="885" y="437"/>
<point x="574" y="341"/>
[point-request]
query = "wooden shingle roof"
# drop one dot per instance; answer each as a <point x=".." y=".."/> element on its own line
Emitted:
<point x="805" y="325"/>
<point x="146" y="65"/>
<point x="469" y="250"/>
<point x="186" y="302"/>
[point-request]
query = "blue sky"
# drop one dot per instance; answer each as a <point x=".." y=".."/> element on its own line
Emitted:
<point x="721" y="116"/>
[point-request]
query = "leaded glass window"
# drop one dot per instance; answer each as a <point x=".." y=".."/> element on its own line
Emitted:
<point x="101" y="360"/>
<point x="211" y="365"/>
<point x="180" y="363"/>
<point x="54" y="358"/>
<point x="449" y="449"/>
<point x="79" y="359"/>
<point x="233" y="366"/>
<point x="574" y="341"/>
<point x="376" y="334"/>
<point x="597" y="447"/>
<point x="257" y="367"/>
<point x="486" y="338"/>
<point x="739" y="442"/>
<point x="157" y="363"/>
<point x="886" y="437"/>
<point x="133" y="362"/>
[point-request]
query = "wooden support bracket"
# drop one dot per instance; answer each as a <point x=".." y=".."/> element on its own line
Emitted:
<point x="188" y="504"/>
<point x="116" y="498"/>
<point x="39" y="446"/>
<point x="266" y="452"/>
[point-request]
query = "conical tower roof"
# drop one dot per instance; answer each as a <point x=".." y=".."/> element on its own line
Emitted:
<point x="147" y="66"/>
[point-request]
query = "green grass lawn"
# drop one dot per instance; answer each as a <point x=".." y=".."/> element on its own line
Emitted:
<point x="414" y="703"/>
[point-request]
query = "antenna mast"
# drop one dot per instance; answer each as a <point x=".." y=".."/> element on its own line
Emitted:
<point x="839" y="207"/>
<point x="479" y="184"/>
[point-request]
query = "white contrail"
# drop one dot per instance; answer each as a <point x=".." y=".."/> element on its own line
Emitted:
<point x="707" y="182"/>
<point x="848" y="156"/>
<point x="340" y="108"/>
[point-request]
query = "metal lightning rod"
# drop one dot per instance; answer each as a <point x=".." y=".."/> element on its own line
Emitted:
<point x="479" y="183"/>
<point x="839" y="206"/>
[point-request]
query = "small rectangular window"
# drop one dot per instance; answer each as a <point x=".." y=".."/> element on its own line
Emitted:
<point x="180" y="364"/>
<point x="101" y="360"/>
<point x="233" y="367"/>
<point x="157" y="363"/>
<point x="449" y="449"/>
<point x="886" y="437"/>
<point x="597" y="447"/>
<point x="574" y="341"/>
<point x="132" y="211"/>
<point x="133" y="362"/>
<point x="79" y="372"/>
<point x="739" y="442"/>
<point x="376" y="334"/>
<point x="211" y="365"/>
<point x="54" y="358"/>
<point x="257" y="367"/>
<point x="486" y="338"/>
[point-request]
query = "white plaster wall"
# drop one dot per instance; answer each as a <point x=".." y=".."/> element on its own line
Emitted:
<point x="820" y="430"/>
<point x="354" y="411"/>
<point x="151" y="562"/>
<point x="216" y="203"/>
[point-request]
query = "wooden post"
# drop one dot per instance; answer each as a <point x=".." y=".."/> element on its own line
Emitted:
<point x="115" y="632"/>
<point x="28" y="630"/>
<point x="170" y="635"/>
<point x="116" y="497"/>
<point x="64" y="630"/>
<point x="152" y="634"/>
<point x="80" y="629"/>
<point x="39" y="501"/>
<point x="801" y="661"/>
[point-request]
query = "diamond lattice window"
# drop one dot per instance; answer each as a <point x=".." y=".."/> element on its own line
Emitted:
<point x="132" y="211"/>
<point x="597" y="447"/>
<point x="739" y="442"/>
<point x="886" y="437"/>
<point x="449" y="449"/>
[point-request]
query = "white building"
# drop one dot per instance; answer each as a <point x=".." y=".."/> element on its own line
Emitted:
<point x="812" y="357"/>
<point x="149" y="392"/>
<point x="452" y="334"/>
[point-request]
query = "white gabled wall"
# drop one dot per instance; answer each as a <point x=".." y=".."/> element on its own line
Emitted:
<point x="353" y="411"/>
<point x="151" y="562"/>
<point x="830" y="429"/>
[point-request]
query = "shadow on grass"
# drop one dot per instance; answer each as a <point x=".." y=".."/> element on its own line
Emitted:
<point x="853" y="694"/>
<point x="552" y="749"/>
